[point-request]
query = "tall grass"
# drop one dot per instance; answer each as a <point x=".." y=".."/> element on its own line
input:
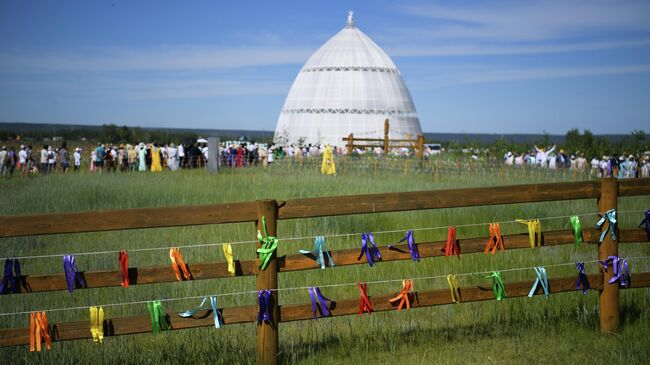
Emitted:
<point x="561" y="329"/>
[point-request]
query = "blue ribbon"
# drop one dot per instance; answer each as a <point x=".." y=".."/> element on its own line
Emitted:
<point x="71" y="272"/>
<point x="264" y="299"/>
<point x="413" y="248"/>
<point x="215" y="311"/>
<point x="319" y="252"/>
<point x="646" y="222"/>
<point x="621" y="270"/>
<point x="542" y="280"/>
<point x="10" y="275"/>
<point x="582" y="278"/>
<point x="610" y="216"/>
<point x="318" y="301"/>
<point x="372" y="253"/>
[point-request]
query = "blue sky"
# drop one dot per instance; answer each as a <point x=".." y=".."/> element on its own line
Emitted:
<point x="474" y="67"/>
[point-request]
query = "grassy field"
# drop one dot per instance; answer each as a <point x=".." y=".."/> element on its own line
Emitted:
<point x="562" y="329"/>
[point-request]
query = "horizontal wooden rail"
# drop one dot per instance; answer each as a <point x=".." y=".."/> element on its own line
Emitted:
<point x="634" y="187"/>
<point x="298" y="312"/>
<point x="203" y="271"/>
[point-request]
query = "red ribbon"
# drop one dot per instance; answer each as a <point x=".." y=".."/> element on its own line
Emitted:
<point x="495" y="242"/>
<point x="365" y="305"/>
<point x="124" y="267"/>
<point x="452" y="247"/>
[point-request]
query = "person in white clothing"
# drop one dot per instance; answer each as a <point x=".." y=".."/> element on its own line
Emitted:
<point x="542" y="155"/>
<point x="77" y="158"/>
<point x="22" y="158"/>
<point x="172" y="157"/>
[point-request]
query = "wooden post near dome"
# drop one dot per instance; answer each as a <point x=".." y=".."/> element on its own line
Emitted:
<point x="386" y="130"/>
<point x="350" y="144"/>
<point x="609" y="300"/>
<point x="420" y="147"/>
<point x="267" y="333"/>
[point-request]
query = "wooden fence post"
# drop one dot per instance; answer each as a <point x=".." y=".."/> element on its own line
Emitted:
<point x="609" y="308"/>
<point x="267" y="333"/>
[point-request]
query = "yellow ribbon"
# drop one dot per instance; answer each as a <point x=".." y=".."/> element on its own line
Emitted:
<point x="534" y="231"/>
<point x="97" y="324"/>
<point x="227" y="251"/>
<point x="453" y="288"/>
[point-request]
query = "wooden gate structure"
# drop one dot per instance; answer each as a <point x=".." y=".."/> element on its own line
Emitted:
<point x="417" y="143"/>
<point x="606" y="192"/>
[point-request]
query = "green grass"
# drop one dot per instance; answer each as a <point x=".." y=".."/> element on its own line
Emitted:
<point x="562" y="329"/>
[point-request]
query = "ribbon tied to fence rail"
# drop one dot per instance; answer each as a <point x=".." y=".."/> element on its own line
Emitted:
<point x="534" y="231"/>
<point x="10" y="276"/>
<point x="158" y="317"/>
<point x="542" y="280"/>
<point x="452" y="247"/>
<point x="645" y="223"/>
<point x="453" y="288"/>
<point x="498" y="288"/>
<point x="371" y="252"/>
<point x="123" y="257"/>
<point x="268" y="246"/>
<point x="97" y="324"/>
<point x="577" y="229"/>
<point x="71" y="273"/>
<point x="621" y="270"/>
<point x="227" y="252"/>
<point x="582" y="278"/>
<point x="404" y="295"/>
<point x="412" y="246"/>
<point x="318" y="302"/>
<point x="39" y="330"/>
<point x="319" y="252"/>
<point x="365" y="305"/>
<point x="496" y="241"/>
<point x="610" y="218"/>
<point x="215" y="311"/>
<point x="264" y="300"/>
<point x="178" y="265"/>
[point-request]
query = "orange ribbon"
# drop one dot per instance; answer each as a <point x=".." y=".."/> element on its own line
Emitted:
<point x="403" y="296"/>
<point x="452" y="247"/>
<point x="38" y="330"/>
<point x="495" y="242"/>
<point x="177" y="261"/>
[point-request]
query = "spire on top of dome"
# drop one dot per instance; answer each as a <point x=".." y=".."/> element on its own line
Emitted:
<point x="350" y="22"/>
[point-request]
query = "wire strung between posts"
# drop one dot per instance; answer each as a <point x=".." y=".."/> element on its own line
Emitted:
<point x="301" y="238"/>
<point x="305" y="287"/>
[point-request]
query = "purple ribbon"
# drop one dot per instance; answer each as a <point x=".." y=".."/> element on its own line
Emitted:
<point x="318" y="299"/>
<point x="646" y="222"/>
<point x="10" y="275"/>
<point x="582" y="278"/>
<point x="621" y="270"/>
<point x="413" y="248"/>
<point x="372" y="253"/>
<point x="71" y="272"/>
<point x="264" y="299"/>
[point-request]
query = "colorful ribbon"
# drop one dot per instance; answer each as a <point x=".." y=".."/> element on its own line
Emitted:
<point x="542" y="280"/>
<point x="497" y="285"/>
<point x="413" y="248"/>
<point x="215" y="311"/>
<point x="452" y="247"/>
<point x="158" y="317"/>
<point x="97" y="324"/>
<point x="227" y="252"/>
<point x="39" y="330"/>
<point x="609" y="216"/>
<point x="453" y="288"/>
<point x="496" y="241"/>
<point x="577" y="229"/>
<point x="318" y="302"/>
<point x="264" y="300"/>
<point x="268" y="246"/>
<point x="372" y="253"/>
<point x="123" y="256"/>
<point x="646" y="222"/>
<point x="319" y="252"/>
<point x="365" y="305"/>
<point x="10" y="275"/>
<point x="178" y="264"/>
<point x="621" y="270"/>
<point x="403" y="296"/>
<point x="71" y="272"/>
<point x="534" y="231"/>
<point x="582" y="278"/>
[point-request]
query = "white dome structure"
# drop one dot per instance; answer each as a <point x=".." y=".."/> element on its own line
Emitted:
<point x="349" y="85"/>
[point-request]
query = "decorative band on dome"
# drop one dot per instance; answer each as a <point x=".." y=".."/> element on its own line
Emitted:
<point x="400" y="113"/>
<point x="352" y="68"/>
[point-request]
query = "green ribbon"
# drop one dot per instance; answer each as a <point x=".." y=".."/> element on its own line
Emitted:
<point x="269" y="245"/>
<point x="577" y="229"/>
<point x="497" y="285"/>
<point x="158" y="317"/>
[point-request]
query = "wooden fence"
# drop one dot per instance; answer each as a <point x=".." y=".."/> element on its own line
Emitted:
<point x="605" y="191"/>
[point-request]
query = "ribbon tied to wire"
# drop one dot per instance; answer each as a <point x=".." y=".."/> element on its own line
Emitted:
<point x="405" y="296"/>
<point x="158" y="317"/>
<point x="178" y="265"/>
<point x="496" y="241"/>
<point x="39" y="330"/>
<point x="577" y="229"/>
<point x="498" y="288"/>
<point x="10" y="276"/>
<point x="452" y="247"/>
<point x="71" y="273"/>
<point x="268" y="246"/>
<point x="542" y="280"/>
<point x="319" y="252"/>
<point x="365" y="305"/>
<point x="582" y="278"/>
<point x="610" y="218"/>
<point x="97" y="324"/>
<point x="215" y="311"/>
<point x="412" y="246"/>
<point x="318" y="302"/>
<point x="227" y="252"/>
<point x="371" y="252"/>
<point x="534" y="231"/>
<point x="123" y="257"/>
<point x="621" y="270"/>
<point x="264" y="300"/>
<point x="645" y="223"/>
<point x="453" y="288"/>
